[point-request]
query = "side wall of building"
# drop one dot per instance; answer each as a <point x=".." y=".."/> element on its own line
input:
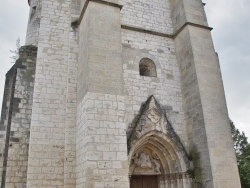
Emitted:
<point x="110" y="89"/>
<point x="6" y="121"/>
<point x="88" y="91"/>
<point x="151" y="16"/>
<point x="47" y="132"/>
<point x="163" y="31"/>
<point x="17" y="110"/>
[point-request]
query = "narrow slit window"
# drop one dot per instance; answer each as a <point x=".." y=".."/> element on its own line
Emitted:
<point x="147" y="68"/>
<point x="33" y="12"/>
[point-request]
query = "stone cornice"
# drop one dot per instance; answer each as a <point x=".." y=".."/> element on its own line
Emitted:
<point x="172" y="36"/>
<point x="191" y="24"/>
<point x="137" y="29"/>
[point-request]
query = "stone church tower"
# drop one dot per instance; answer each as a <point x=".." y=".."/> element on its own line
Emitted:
<point x="116" y="93"/>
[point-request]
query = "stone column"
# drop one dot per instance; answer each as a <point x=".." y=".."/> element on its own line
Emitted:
<point x="47" y="132"/>
<point x="203" y="94"/>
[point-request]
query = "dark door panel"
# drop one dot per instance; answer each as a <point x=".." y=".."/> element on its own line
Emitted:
<point x="143" y="182"/>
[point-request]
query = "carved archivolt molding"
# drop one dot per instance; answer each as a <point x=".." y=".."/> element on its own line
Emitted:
<point x="145" y="163"/>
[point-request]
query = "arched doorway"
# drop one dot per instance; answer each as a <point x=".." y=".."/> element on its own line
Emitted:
<point x="156" y="162"/>
<point x="157" y="157"/>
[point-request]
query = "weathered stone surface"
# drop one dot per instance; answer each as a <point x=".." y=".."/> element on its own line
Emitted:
<point x="91" y="124"/>
<point x="16" y="117"/>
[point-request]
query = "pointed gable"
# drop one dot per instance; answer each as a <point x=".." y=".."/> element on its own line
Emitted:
<point x="151" y="117"/>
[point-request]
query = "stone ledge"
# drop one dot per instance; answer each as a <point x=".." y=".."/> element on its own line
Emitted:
<point x="172" y="36"/>
<point x="96" y="1"/>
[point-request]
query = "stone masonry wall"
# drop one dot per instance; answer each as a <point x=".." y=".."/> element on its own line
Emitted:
<point x="71" y="106"/>
<point x="47" y="134"/>
<point x="101" y="151"/>
<point x="34" y="22"/>
<point x="153" y="15"/>
<point x="195" y="13"/>
<point x="5" y="120"/>
<point x="75" y="9"/>
<point x="192" y="103"/>
<point x="101" y="142"/>
<point x="101" y="119"/>
<point x="204" y="101"/>
<point x="217" y="127"/>
<point x="187" y="11"/>
<point x="165" y="87"/>
<point x="177" y="14"/>
<point x="17" y="120"/>
<point x="100" y="39"/>
<point x="71" y="102"/>
<point x="82" y="110"/>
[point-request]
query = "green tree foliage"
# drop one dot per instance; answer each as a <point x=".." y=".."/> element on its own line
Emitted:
<point x="242" y="149"/>
<point x="244" y="168"/>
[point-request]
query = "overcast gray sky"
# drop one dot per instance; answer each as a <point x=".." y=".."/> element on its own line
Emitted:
<point x="229" y="18"/>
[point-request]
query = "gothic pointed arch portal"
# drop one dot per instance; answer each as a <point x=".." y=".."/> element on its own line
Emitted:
<point x="156" y="155"/>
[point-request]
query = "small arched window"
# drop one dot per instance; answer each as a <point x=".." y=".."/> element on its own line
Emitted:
<point x="147" y="68"/>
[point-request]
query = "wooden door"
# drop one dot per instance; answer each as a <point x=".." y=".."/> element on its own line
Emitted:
<point x="144" y="182"/>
